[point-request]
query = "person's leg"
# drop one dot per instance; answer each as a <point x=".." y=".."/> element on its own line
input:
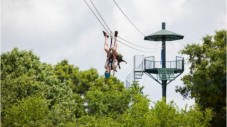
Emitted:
<point x="115" y="53"/>
<point x="106" y="46"/>
<point x="114" y="50"/>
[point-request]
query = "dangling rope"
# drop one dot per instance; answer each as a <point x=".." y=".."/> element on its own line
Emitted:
<point x="111" y="40"/>
<point x="110" y="49"/>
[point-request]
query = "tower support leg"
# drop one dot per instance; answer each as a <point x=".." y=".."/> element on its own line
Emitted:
<point x="164" y="85"/>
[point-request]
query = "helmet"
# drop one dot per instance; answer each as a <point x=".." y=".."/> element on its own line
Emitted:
<point x="107" y="74"/>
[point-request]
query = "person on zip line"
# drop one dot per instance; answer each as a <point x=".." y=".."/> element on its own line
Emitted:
<point x="113" y="57"/>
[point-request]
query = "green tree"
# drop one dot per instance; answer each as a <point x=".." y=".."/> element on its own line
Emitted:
<point x="195" y="117"/>
<point x="164" y="114"/>
<point x="92" y="121"/>
<point x="19" y="78"/>
<point x="168" y="115"/>
<point x="67" y="74"/>
<point x="107" y="97"/>
<point x="31" y="111"/>
<point x="207" y="79"/>
<point x="23" y="76"/>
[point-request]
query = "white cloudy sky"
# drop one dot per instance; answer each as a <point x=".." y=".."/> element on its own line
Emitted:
<point x="67" y="29"/>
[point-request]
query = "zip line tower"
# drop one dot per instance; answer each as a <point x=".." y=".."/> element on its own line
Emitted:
<point x="162" y="71"/>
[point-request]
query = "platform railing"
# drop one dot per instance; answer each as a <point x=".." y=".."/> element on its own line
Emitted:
<point x="151" y="64"/>
<point x="138" y="63"/>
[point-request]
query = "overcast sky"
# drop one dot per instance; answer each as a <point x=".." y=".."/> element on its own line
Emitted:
<point x="66" y="29"/>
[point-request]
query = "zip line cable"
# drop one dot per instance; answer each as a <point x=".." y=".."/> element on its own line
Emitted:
<point x="128" y="18"/>
<point x="95" y="15"/>
<point x="134" y="44"/>
<point x="109" y="28"/>
<point x="132" y="47"/>
<point x="100" y="16"/>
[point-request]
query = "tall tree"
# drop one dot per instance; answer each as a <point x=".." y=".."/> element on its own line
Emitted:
<point x="31" y="111"/>
<point x="207" y="79"/>
<point x="19" y="77"/>
<point x="23" y="76"/>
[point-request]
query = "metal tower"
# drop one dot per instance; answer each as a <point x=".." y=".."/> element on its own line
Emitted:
<point x="162" y="71"/>
<point x="165" y="73"/>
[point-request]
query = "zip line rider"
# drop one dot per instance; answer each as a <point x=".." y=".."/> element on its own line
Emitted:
<point x="113" y="57"/>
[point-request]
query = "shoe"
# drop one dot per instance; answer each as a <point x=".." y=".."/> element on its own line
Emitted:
<point x="115" y="33"/>
<point x="105" y="34"/>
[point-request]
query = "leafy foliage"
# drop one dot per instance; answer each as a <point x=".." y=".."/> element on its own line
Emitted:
<point x="31" y="111"/>
<point x="207" y="79"/>
<point x="42" y="95"/>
